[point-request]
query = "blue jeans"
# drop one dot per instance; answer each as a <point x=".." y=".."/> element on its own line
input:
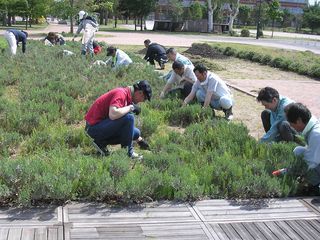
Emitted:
<point x="225" y="102"/>
<point x="111" y="132"/>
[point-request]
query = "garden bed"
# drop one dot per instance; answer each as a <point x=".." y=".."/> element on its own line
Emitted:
<point x="46" y="156"/>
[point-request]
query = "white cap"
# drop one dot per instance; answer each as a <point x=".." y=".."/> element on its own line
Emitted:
<point x="81" y="14"/>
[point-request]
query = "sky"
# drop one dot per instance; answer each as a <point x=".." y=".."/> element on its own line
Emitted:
<point x="311" y="2"/>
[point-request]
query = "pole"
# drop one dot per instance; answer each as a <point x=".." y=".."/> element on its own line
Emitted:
<point x="258" y="22"/>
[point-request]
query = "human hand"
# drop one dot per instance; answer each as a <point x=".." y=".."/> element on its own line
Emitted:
<point x="136" y="109"/>
<point x="162" y="95"/>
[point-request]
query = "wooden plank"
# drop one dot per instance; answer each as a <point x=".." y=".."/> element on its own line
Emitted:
<point x="242" y="231"/>
<point x="265" y="230"/>
<point x="41" y="234"/>
<point x="4" y="233"/>
<point x="300" y="231"/>
<point x="315" y="225"/>
<point x="14" y="234"/>
<point x="53" y="234"/>
<point x="254" y="231"/>
<point x="308" y="228"/>
<point x="274" y="228"/>
<point x="28" y="234"/>
<point x="288" y="230"/>
<point x="230" y="232"/>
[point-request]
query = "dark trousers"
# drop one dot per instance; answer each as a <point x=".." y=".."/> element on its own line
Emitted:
<point x="161" y="59"/>
<point x="181" y="92"/>
<point x="111" y="132"/>
<point x="286" y="132"/>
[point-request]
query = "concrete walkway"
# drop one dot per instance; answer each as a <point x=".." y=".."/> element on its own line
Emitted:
<point x="293" y="41"/>
<point x="289" y="218"/>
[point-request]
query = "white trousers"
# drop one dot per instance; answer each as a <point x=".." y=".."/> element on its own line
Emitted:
<point x="11" y="39"/>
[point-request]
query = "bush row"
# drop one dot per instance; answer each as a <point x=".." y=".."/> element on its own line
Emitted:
<point x="311" y="67"/>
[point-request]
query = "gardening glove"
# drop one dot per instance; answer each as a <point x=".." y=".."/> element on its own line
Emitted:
<point x="143" y="145"/>
<point x="136" y="109"/>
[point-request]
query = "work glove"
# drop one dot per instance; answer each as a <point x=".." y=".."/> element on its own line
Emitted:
<point x="136" y="109"/>
<point x="143" y="145"/>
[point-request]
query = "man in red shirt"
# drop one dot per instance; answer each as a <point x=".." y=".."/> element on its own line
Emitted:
<point x="110" y="119"/>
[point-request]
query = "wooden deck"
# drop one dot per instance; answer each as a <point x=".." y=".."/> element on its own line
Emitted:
<point x="211" y="219"/>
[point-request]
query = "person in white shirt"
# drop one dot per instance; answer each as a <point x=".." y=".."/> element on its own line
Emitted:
<point x="181" y="75"/>
<point x="300" y="118"/>
<point x="173" y="55"/>
<point x="211" y="91"/>
<point x="119" y="57"/>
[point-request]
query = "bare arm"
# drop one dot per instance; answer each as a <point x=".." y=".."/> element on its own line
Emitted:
<point x="116" y="113"/>
<point x="189" y="98"/>
<point x="166" y="88"/>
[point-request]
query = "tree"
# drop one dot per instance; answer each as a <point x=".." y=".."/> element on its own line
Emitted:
<point x="140" y="9"/>
<point x="196" y="11"/>
<point x="244" y="14"/>
<point x="233" y="12"/>
<point x="212" y="7"/>
<point x="274" y="13"/>
<point x="175" y="10"/>
<point x="103" y="7"/>
<point x="311" y="16"/>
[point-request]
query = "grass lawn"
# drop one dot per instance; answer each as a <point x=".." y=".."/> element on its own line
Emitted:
<point x="46" y="156"/>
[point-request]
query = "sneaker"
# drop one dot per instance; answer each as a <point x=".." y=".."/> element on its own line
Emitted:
<point x="136" y="156"/>
<point x="143" y="145"/>
<point x="228" y="114"/>
<point x="102" y="151"/>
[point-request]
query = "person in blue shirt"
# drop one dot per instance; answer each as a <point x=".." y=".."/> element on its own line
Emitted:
<point x="156" y="52"/>
<point x="14" y="37"/>
<point x="273" y="117"/>
<point x="300" y="118"/>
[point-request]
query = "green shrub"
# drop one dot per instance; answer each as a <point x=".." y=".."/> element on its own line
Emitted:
<point x="190" y="114"/>
<point x="245" y="33"/>
<point x="229" y="51"/>
<point x="266" y="59"/>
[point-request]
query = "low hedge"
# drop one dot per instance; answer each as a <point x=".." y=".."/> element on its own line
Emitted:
<point x="305" y="63"/>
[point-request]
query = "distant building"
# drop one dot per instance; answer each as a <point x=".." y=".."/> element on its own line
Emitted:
<point x="293" y="6"/>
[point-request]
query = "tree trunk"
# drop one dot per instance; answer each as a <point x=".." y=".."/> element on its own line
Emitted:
<point x="71" y="25"/>
<point x="210" y="16"/>
<point x="141" y="24"/>
<point x="233" y="15"/>
<point x="101" y="16"/>
<point x="135" y="23"/>
<point x="4" y="19"/>
<point x="115" y="21"/>
<point x="106" y="17"/>
<point x="26" y="22"/>
<point x="9" y="20"/>
<point x="272" y="27"/>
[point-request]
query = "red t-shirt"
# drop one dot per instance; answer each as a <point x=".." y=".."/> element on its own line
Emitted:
<point x="118" y="97"/>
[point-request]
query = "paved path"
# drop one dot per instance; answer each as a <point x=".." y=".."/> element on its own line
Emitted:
<point x="186" y="40"/>
<point x="289" y="218"/>
<point x="304" y="91"/>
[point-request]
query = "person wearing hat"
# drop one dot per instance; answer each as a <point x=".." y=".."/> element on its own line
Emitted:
<point x="212" y="91"/>
<point x="110" y="119"/>
<point x="14" y="37"/>
<point x="119" y="57"/>
<point x="90" y="27"/>
<point x="156" y="52"/>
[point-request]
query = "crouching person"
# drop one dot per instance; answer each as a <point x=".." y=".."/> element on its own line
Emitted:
<point x="300" y="118"/>
<point x="212" y="91"/>
<point x="110" y="119"/>
<point x="183" y="76"/>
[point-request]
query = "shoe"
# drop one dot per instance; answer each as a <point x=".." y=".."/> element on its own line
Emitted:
<point x="136" y="156"/>
<point x="102" y="151"/>
<point x="143" y="145"/>
<point x="228" y="114"/>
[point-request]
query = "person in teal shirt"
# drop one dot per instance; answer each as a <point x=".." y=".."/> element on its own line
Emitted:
<point x="273" y="117"/>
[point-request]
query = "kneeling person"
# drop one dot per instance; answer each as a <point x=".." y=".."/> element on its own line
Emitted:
<point x="273" y="117"/>
<point x="183" y="76"/>
<point x="300" y="118"/>
<point x="110" y="121"/>
<point x="211" y="91"/>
